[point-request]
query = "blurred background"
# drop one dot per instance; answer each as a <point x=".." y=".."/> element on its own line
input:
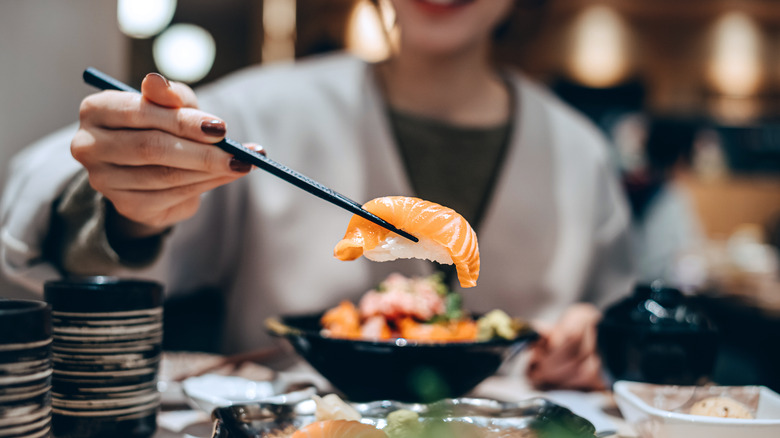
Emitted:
<point x="687" y="91"/>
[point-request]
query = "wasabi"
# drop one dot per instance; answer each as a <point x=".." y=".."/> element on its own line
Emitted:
<point x="403" y="423"/>
<point x="495" y="323"/>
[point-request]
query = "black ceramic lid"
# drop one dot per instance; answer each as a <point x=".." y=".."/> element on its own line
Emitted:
<point x="102" y="294"/>
<point x="23" y="321"/>
<point x="658" y="307"/>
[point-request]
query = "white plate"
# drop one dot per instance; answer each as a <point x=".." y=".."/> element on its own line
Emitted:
<point x="176" y="366"/>
<point x="656" y="411"/>
<point x="210" y="391"/>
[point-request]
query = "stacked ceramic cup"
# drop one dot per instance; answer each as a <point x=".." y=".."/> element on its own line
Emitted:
<point x="106" y="353"/>
<point x="25" y="368"/>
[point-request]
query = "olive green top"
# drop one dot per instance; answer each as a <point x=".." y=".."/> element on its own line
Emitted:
<point x="434" y="152"/>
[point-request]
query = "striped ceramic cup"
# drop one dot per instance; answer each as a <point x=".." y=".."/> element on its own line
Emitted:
<point x="106" y="351"/>
<point x="25" y="368"/>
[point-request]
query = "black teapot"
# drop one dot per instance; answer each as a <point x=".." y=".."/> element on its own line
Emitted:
<point x="657" y="335"/>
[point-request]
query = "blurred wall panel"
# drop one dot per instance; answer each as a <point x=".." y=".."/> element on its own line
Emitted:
<point x="321" y="25"/>
<point x="236" y="26"/>
<point x="725" y="204"/>
<point x="44" y="47"/>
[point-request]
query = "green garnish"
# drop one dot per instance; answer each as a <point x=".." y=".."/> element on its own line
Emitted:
<point x="402" y="423"/>
<point x="496" y="324"/>
<point x="454" y="306"/>
<point x="437" y="280"/>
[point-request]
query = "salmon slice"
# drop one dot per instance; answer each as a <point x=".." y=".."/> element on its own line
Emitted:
<point x="445" y="236"/>
<point x="339" y="429"/>
<point x="342" y="321"/>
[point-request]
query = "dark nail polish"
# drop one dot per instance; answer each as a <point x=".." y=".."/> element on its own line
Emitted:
<point x="167" y="84"/>
<point x="239" y="166"/>
<point x="213" y="127"/>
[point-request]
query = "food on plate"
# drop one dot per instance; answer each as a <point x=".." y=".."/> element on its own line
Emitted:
<point x="496" y="324"/>
<point x="402" y="423"/>
<point x="723" y="407"/>
<point x="338" y="429"/>
<point x="329" y="422"/>
<point x="398" y="296"/>
<point x="342" y="321"/>
<point x="444" y="236"/>
<point x="415" y="308"/>
<point x="332" y="407"/>
<point x="335" y="418"/>
<point x="431" y="428"/>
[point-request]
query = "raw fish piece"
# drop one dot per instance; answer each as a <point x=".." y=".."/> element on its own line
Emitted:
<point x="339" y="429"/>
<point x="445" y="236"/>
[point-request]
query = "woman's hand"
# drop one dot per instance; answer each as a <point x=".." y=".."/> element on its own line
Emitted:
<point x="151" y="154"/>
<point x="566" y="356"/>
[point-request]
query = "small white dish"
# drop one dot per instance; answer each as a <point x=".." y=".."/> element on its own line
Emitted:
<point x="656" y="411"/>
<point x="211" y="391"/>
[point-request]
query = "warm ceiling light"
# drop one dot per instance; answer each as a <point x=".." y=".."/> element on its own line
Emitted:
<point x="279" y="18"/>
<point x="598" y="51"/>
<point x="279" y="27"/>
<point x="184" y="52"/>
<point x="144" y="18"/>
<point x="735" y="64"/>
<point x="367" y="32"/>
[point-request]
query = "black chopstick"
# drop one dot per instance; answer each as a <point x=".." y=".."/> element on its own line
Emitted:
<point x="98" y="79"/>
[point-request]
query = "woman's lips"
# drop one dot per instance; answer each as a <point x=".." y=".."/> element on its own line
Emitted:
<point x="441" y="6"/>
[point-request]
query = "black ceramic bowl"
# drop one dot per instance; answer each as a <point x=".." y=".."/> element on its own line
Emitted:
<point x="399" y="369"/>
<point x="657" y="335"/>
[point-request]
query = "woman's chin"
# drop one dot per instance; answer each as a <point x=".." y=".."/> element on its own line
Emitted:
<point x="437" y="43"/>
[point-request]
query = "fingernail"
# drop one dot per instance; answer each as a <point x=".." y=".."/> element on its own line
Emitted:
<point x="213" y="127"/>
<point x="257" y="148"/>
<point x="164" y="79"/>
<point x="239" y="166"/>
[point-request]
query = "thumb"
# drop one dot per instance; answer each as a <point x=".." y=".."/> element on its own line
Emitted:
<point x="158" y="90"/>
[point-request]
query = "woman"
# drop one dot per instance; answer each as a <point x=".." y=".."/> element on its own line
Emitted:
<point x="149" y="196"/>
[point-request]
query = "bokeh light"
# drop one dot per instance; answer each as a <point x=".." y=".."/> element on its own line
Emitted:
<point x="735" y="64"/>
<point x="144" y="18"/>
<point x="279" y="27"/>
<point x="599" y="52"/>
<point x="184" y="52"/>
<point x="366" y="35"/>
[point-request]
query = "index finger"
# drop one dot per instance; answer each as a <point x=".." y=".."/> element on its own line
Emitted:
<point x="159" y="90"/>
<point x="123" y="110"/>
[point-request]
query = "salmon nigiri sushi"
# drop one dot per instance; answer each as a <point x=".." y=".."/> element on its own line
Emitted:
<point x="445" y="236"/>
<point x="339" y="429"/>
